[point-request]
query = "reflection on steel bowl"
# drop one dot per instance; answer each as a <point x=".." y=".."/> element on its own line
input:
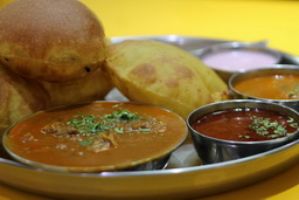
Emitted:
<point x="94" y="137"/>
<point x="238" y="128"/>
<point x="277" y="84"/>
<point x="229" y="58"/>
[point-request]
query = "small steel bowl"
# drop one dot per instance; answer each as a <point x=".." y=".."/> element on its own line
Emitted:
<point x="255" y="47"/>
<point x="273" y="69"/>
<point x="213" y="150"/>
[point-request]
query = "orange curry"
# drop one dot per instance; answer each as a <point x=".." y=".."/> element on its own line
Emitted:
<point x="98" y="134"/>
<point x="272" y="86"/>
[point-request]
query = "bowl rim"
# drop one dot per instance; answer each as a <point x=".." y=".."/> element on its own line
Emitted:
<point x="271" y="69"/>
<point x="286" y="138"/>
<point x="93" y="169"/>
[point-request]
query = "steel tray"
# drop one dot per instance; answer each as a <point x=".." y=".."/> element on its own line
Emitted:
<point x="179" y="183"/>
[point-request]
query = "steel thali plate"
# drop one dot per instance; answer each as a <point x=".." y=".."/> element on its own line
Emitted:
<point x="181" y="182"/>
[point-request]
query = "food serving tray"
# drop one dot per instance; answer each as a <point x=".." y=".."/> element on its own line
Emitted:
<point x="177" y="181"/>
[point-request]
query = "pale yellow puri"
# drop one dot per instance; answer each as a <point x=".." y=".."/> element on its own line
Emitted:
<point x="161" y="74"/>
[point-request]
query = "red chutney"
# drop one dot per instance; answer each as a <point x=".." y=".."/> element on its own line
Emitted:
<point x="245" y="125"/>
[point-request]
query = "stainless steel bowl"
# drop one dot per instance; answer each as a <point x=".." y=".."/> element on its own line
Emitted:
<point x="213" y="150"/>
<point x="158" y="160"/>
<point x="273" y="69"/>
<point x="256" y="47"/>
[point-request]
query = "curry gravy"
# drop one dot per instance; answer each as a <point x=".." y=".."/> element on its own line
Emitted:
<point x="28" y="141"/>
<point x="272" y="86"/>
<point x="245" y="125"/>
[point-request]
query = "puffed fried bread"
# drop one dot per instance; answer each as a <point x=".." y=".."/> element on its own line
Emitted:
<point x="51" y="40"/>
<point x="162" y="74"/>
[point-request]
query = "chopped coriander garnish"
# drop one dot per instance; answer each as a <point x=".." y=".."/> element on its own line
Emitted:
<point x="119" y="122"/>
<point x="122" y="115"/>
<point x="85" y="143"/>
<point x="89" y="124"/>
<point x="98" y="132"/>
<point x="144" y="129"/>
<point x="267" y="127"/>
<point x="292" y="122"/>
<point x="119" y="130"/>
<point x="294" y="125"/>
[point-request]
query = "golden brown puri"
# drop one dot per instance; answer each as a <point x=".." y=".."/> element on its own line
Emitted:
<point x="18" y="98"/>
<point x="161" y="74"/>
<point x="91" y="87"/>
<point x="51" y="40"/>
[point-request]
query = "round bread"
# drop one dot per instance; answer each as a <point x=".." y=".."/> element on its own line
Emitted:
<point x="19" y="98"/>
<point x="51" y="40"/>
<point x="161" y="74"/>
<point x="89" y="88"/>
